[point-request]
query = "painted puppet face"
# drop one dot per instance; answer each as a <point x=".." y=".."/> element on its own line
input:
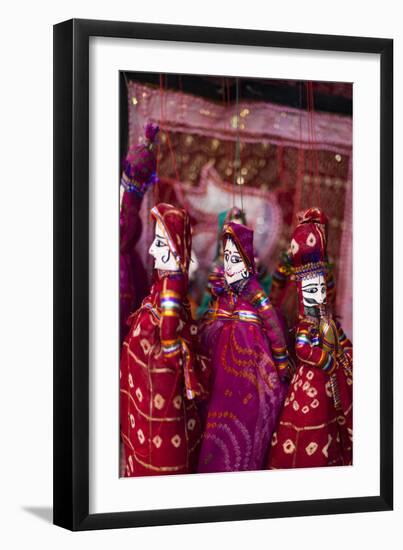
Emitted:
<point x="314" y="291"/>
<point x="234" y="266"/>
<point x="160" y="251"/>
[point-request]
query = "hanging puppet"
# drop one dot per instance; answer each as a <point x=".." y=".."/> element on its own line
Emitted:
<point x="160" y="427"/>
<point x="249" y="358"/>
<point x="138" y="175"/>
<point x="283" y="289"/>
<point x="315" y="426"/>
<point x="235" y="215"/>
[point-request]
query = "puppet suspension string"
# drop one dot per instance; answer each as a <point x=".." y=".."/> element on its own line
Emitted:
<point x="310" y="139"/>
<point x="313" y="157"/>
<point x="315" y="147"/>
<point x="162" y="116"/>
<point x="300" y="179"/>
<point x="237" y="161"/>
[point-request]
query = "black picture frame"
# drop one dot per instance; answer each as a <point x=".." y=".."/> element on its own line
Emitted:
<point x="71" y="273"/>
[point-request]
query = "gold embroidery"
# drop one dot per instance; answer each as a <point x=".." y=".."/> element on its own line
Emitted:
<point x="307" y="428"/>
<point x="326" y="447"/>
<point x="127" y="441"/>
<point x="159" y="468"/>
<point x="142" y="364"/>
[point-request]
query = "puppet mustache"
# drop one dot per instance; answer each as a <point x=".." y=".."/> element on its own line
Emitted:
<point x="312" y="301"/>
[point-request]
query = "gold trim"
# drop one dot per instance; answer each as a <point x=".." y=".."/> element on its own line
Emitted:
<point x="142" y="364"/>
<point x="127" y="440"/>
<point x="159" y="468"/>
<point x="318" y="427"/>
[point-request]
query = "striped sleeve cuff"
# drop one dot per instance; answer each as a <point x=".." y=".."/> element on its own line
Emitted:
<point x="170" y="303"/>
<point x="280" y="356"/>
<point x="302" y="338"/>
<point x="329" y="364"/>
<point x="170" y="348"/>
<point x="261" y="301"/>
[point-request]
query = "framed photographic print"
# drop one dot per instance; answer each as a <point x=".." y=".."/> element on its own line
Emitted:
<point x="223" y="238"/>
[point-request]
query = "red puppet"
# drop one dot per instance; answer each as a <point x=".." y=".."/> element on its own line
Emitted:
<point x="315" y="426"/>
<point x="282" y="293"/>
<point x="160" y="426"/>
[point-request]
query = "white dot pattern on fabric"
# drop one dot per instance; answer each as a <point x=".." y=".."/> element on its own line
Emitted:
<point x="139" y="394"/>
<point x="159" y="401"/>
<point x="311" y="240"/>
<point x="176" y="440"/>
<point x="288" y="446"/>
<point x="157" y="441"/>
<point x="294" y="246"/>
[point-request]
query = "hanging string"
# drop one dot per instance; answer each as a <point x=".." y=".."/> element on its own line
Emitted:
<point x="155" y="190"/>
<point x="163" y="89"/>
<point x="314" y="162"/>
<point x="242" y="181"/>
<point x="237" y="161"/>
<point x="300" y="181"/>
<point x="316" y="154"/>
<point x="226" y="104"/>
<point x="309" y="138"/>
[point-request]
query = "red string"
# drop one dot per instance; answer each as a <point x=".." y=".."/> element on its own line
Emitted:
<point x="162" y="116"/>
<point x="312" y="144"/>
<point x="300" y="184"/>
<point x="313" y="165"/>
<point x="225" y="96"/>
<point x="314" y="160"/>
<point x="317" y="174"/>
<point x="310" y="139"/>
<point x="159" y="142"/>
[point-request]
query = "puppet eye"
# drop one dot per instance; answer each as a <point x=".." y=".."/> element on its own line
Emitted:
<point x="294" y="246"/>
<point x="311" y="240"/>
<point x="311" y="290"/>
